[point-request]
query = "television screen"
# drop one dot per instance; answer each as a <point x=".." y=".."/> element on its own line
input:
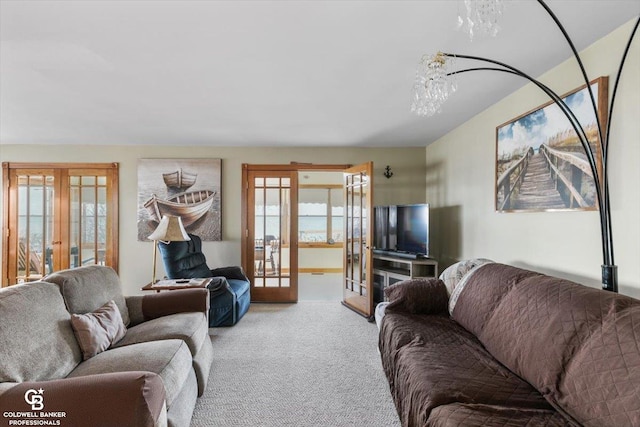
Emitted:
<point x="413" y="229"/>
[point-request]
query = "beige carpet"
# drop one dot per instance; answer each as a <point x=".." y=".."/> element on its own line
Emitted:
<point x="305" y="364"/>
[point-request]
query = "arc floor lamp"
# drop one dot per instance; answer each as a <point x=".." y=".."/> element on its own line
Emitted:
<point x="435" y="81"/>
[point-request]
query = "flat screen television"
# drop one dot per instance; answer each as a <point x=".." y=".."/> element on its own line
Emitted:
<point x="413" y="229"/>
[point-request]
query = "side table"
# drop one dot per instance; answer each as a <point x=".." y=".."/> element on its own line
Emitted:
<point x="175" y="284"/>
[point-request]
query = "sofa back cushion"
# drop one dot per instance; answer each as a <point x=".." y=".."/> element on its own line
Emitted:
<point x="482" y="292"/>
<point x="571" y="342"/>
<point x="184" y="259"/>
<point x="36" y="339"/>
<point x="86" y="289"/>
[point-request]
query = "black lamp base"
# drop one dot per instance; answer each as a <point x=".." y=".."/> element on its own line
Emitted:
<point x="610" y="278"/>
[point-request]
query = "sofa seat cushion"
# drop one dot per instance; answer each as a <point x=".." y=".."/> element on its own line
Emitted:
<point x="170" y="359"/>
<point x="192" y="328"/>
<point x="431" y="361"/>
<point x="474" y="415"/>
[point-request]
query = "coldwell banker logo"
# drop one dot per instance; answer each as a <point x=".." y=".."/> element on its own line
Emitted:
<point x="35" y="399"/>
<point x="38" y="417"/>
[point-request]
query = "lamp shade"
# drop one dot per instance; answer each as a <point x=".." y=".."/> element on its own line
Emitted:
<point x="170" y="229"/>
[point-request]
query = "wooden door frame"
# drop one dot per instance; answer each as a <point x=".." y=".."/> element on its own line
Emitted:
<point x="245" y="245"/>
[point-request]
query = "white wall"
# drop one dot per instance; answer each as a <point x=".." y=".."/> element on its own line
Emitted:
<point x="406" y="186"/>
<point x="461" y="181"/>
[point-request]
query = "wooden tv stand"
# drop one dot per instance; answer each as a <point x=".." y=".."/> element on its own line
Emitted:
<point x="389" y="269"/>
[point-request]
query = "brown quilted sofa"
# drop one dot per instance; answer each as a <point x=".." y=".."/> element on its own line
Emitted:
<point x="150" y="377"/>
<point x="518" y="348"/>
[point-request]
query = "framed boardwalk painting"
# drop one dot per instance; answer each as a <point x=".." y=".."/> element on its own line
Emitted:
<point x="188" y="188"/>
<point x="540" y="163"/>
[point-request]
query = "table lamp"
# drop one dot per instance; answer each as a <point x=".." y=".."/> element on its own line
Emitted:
<point x="170" y="229"/>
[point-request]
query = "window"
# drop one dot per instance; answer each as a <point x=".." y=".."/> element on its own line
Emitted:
<point x="58" y="216"/>
<point x="320" y="214"/>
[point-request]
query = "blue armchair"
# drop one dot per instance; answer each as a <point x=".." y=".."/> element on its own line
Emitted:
<point x="228" y="290"/>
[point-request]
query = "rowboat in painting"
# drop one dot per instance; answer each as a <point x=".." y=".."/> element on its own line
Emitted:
<point x="179" y="179"/>
<point x="190" y="206"/>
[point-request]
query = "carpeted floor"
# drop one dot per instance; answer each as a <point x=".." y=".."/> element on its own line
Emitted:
<point x="306" y="364"/>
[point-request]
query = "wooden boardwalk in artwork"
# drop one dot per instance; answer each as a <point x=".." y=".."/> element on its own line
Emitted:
<point x="538" y="188"/>
<point x="546" y="179"/>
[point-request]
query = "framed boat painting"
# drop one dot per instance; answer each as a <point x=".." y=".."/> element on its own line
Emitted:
<point x="540" y="162"/>
<point x="188" y="188"/>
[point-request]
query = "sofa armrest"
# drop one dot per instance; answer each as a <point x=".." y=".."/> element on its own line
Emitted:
<point x="232" y="272"/>
<point x="218" y="286"/>
<point x="134" y="398"/>
<point x="173" y="302"/>
<point x="418" y="296"/>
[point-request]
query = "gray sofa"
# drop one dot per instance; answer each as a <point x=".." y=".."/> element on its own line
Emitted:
<point x="151" y="377"/>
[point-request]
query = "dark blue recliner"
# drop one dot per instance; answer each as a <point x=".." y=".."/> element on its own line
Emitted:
<point x="229" y="287"/>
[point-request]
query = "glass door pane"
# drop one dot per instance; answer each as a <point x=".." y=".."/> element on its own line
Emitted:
<point x="259" y="233"/>
<point x="88" y="219"/>
<point x="35" y="226"/>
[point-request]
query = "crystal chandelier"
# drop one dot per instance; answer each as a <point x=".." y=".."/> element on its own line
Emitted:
<point x="434" y="83"/>
<point x="482" y="17"/>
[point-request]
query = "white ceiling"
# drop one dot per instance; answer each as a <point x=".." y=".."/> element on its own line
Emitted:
<point x="260" y="73"/>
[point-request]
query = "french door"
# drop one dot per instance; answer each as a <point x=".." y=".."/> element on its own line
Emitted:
<point x="270" y="251"/>
<point x="358" y="257"/>
<point x="270" y="228"/>
<point x="58" y="216"/>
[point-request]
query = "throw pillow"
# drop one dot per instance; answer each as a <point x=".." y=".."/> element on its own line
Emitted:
<point x="418" y="296"/>
<point x="452" y="275"/>
<point x="98" y="330"/>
